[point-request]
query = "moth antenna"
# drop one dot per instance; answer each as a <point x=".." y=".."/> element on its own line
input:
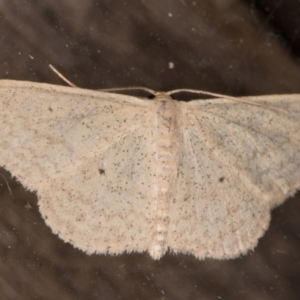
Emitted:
<point x="224" y="97"/>
<point x="62" y="76"/>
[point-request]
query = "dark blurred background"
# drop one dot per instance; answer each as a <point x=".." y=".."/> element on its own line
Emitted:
<point x="234" y="47"/>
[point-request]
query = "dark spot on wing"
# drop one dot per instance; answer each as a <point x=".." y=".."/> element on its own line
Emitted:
<point x="101" y="171"/>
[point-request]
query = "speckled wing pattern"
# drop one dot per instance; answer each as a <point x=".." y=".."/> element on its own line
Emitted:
<point x="81" y="152"/>
<point x="116" y="173"/>
<point x="237" y="162"/>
